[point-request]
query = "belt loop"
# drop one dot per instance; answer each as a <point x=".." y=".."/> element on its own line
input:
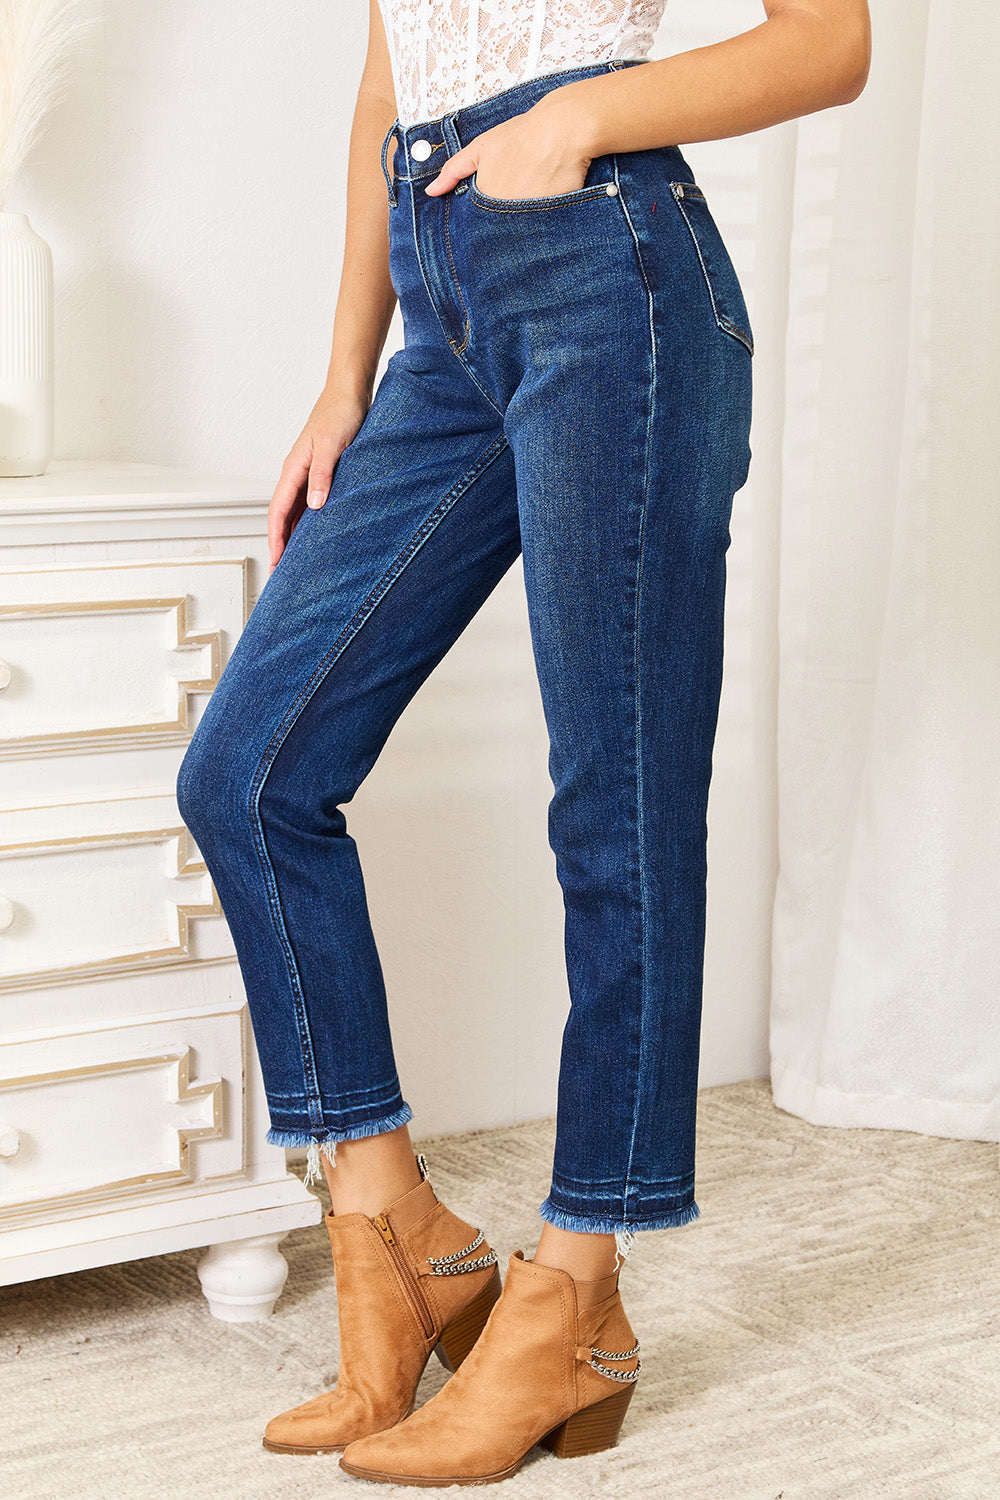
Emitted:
<point x="451" y="133"/>
<point x="389" y="181"/>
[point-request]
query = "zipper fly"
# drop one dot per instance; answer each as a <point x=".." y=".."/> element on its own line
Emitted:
<point x="406" y="1276"/>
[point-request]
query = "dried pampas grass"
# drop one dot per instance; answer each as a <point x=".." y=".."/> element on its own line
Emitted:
<point x="35" y="39"/>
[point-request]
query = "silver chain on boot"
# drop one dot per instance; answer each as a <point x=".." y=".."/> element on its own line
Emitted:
<point x="597" y="1354"/>
<point x="446" y="1265"/>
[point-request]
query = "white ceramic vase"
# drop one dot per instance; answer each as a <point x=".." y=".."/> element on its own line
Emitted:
<point x="27" y="366"/>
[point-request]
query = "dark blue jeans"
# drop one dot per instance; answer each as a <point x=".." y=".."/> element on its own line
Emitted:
<point x="575" y="388"/>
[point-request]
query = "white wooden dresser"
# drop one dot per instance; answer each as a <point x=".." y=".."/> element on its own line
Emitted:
<point x="132" y="1112"/>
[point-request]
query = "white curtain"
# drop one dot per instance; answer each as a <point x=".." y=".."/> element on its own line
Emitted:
<point x="885" y="998"/>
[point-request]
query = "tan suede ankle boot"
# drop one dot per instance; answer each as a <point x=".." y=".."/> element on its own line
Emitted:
<point x="542" y="1371"/>
<point x="413" y="1281"/>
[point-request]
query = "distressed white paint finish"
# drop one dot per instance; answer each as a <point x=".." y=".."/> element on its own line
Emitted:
<point x="132" y="1112"/>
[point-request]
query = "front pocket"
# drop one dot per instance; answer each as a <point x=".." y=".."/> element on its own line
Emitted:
<point x="723" y="284"/>
<point x="602" y="168"/>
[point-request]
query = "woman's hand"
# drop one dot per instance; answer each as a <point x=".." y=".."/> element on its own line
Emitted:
<point x="531" y="155"/>
<point x="307" y="472"/>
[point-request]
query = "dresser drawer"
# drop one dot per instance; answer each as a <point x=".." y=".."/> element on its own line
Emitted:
<point x="121" y="1111"/>
<point x="133" y="1115"/>
<point x="109" y="654"/>
<point x="100" y="887"/>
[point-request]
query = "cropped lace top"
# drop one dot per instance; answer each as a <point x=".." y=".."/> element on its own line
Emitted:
<point x="449" y="53"/>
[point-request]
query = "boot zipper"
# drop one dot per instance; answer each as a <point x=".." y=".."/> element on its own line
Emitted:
<point x="406" y="1275"/>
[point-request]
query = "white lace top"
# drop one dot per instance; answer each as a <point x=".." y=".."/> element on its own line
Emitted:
<point x="448" y="53"/>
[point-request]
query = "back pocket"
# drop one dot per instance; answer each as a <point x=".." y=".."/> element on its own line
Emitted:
<point x="723" y="284"/>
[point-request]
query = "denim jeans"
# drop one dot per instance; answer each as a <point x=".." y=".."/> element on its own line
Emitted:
<point x="575" y="388"/>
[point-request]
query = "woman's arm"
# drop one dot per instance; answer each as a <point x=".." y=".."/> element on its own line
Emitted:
<point x="366" y="299"/>
<point x="807" y="55"/>
<point x="365" y="304"/>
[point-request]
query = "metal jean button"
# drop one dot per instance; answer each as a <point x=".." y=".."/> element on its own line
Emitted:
<point x="421" y="150"/>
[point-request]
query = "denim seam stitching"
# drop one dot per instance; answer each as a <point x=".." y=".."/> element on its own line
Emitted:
<point x="536" y="205"/>
<point x="681" y="1179"/>
<point x="341" y="1093"/>
<point x="457" y="348"/>
<point x="465" y="366"/>
<point x="433" y="303"/>
<point x="725" y="323"/>
<point x="376" y="1107"/>
<point x="281" y="733"/>
<point x="638" y="703"/>
<point x="393" y="199"/>
<point x="334" y="1119"/>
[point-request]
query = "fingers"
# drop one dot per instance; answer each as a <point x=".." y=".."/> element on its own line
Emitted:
<point x="285" y="507"/>
<point x="307" y="473"/>
<point x="462" y="164"/>
<point x="320" y="479"/>
<point x="305" y="480"/>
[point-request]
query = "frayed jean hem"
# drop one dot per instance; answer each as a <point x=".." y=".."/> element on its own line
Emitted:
<point x="327" y="1143"/>
<point x="624" y="1230"/>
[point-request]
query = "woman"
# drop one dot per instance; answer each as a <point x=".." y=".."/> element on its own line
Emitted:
<point x="575" y="388"/>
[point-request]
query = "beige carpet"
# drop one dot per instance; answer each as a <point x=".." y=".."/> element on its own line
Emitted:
<point x="827" y="1330"/>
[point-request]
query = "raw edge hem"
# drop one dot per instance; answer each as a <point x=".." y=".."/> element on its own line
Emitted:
<point x="327" y="1141"/>
<point x="624" y="1230"/>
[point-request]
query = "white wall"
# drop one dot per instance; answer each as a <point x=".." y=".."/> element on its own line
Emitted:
<point x="191" y="186"/>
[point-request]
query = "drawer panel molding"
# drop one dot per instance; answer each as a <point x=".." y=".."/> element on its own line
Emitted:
<point x="98" y="889"/>
<point x="133" y="1113"/>
<point x="111" y="655"/>
<point x="98" y="1113"/>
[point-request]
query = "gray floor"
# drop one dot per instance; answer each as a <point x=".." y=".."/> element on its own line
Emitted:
<point x="827" y="1330"/>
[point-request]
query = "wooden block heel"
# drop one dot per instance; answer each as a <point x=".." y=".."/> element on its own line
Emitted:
<point x="462" y="1332"/>
<point x="592" y="1429"/>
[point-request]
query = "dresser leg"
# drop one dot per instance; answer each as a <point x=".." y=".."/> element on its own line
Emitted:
<point x="242" y="1278"/>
